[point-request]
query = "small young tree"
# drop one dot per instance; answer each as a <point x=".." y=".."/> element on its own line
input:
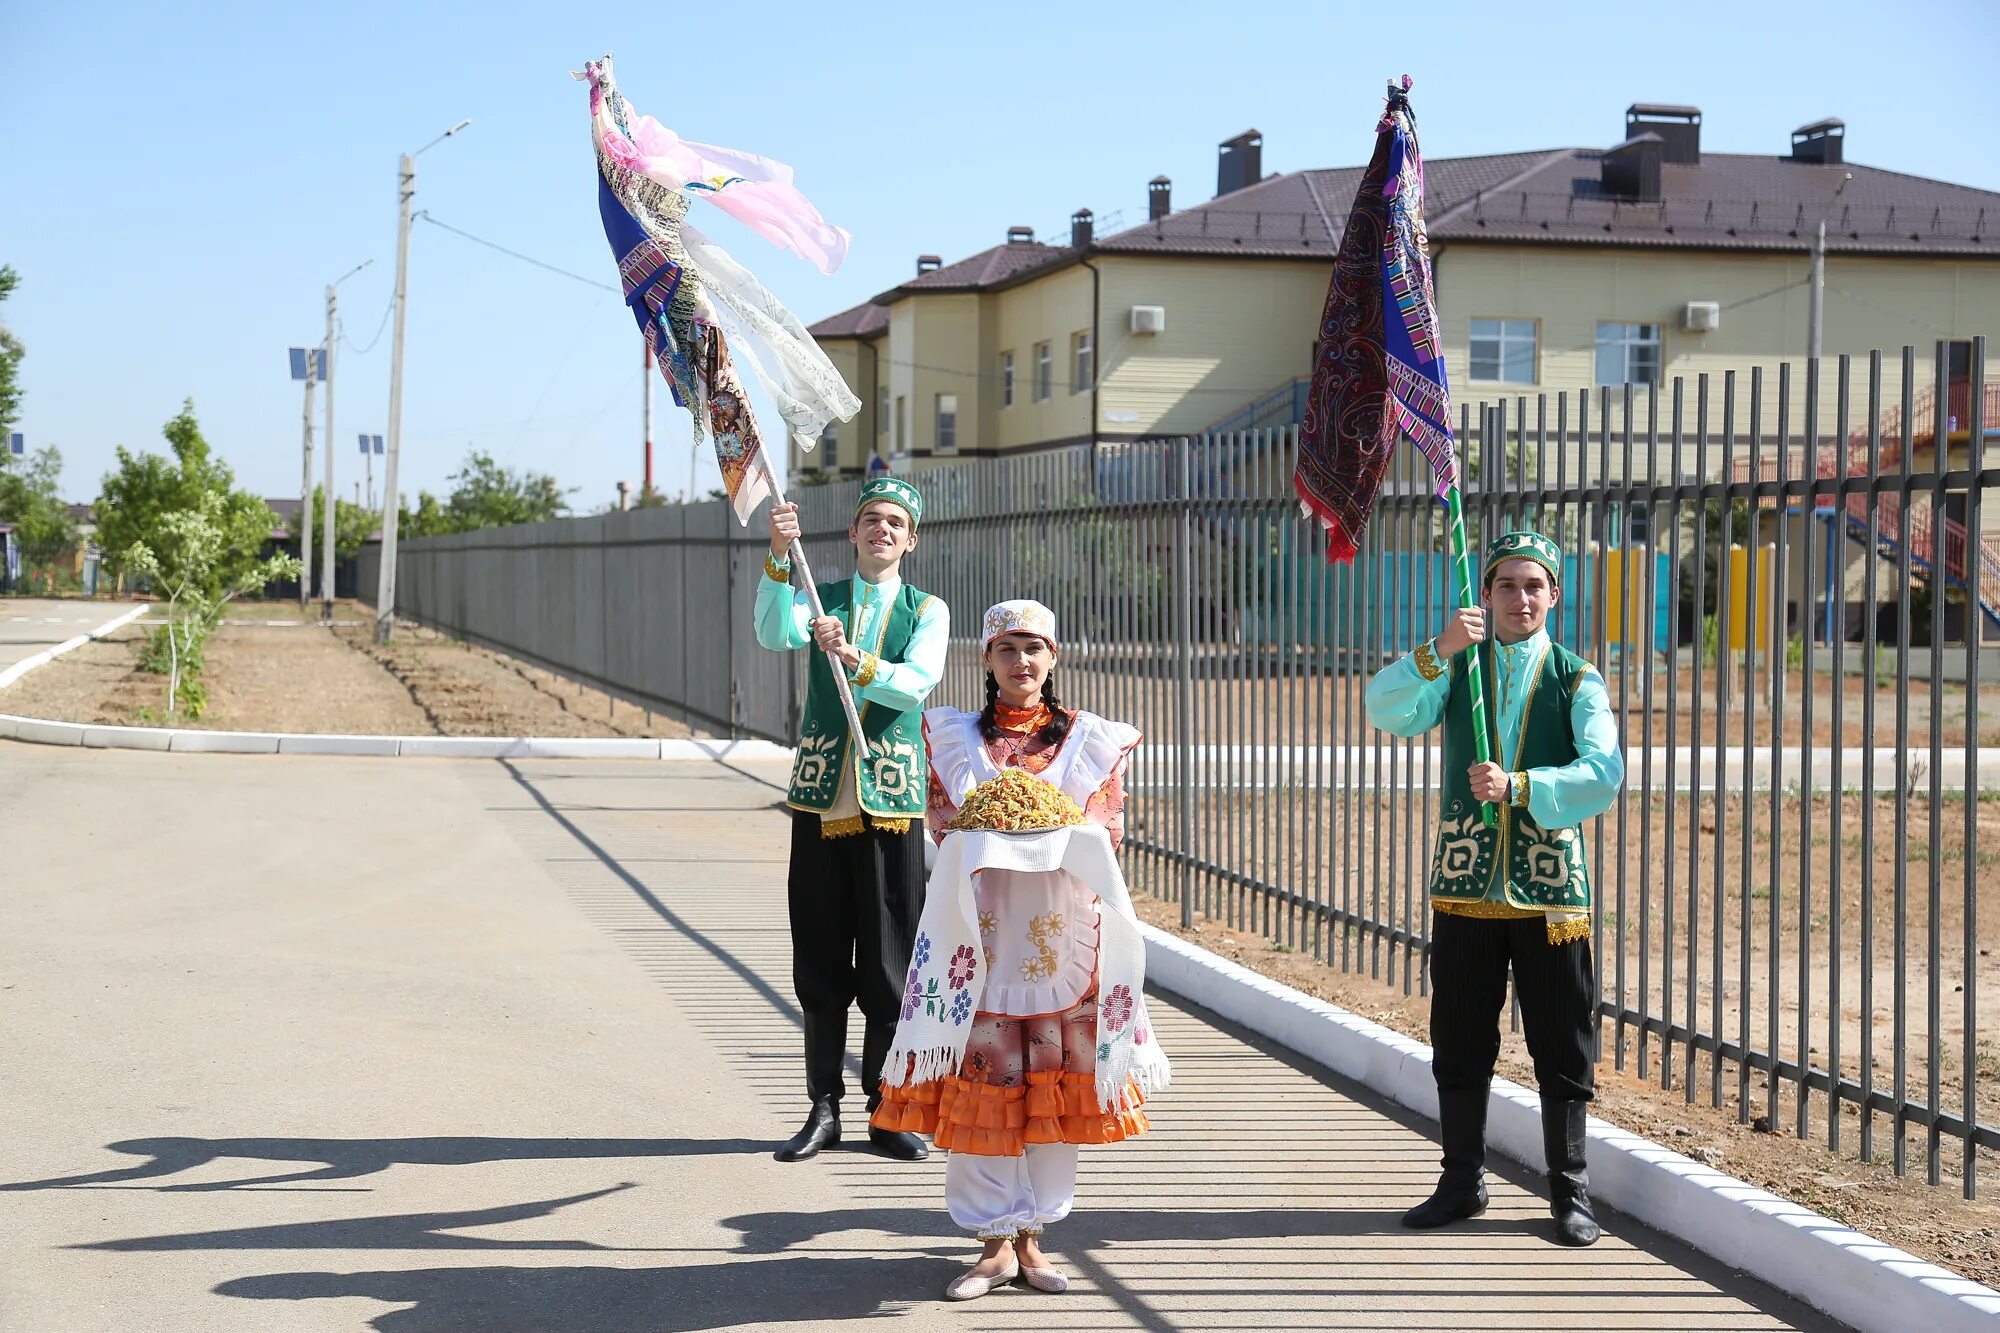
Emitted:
<point x="191" y="558"/>
<point x="145" y="488"/>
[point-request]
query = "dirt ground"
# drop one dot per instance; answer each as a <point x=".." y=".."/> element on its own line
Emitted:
<point x="270" y="669"/>
<point x="1933" y="1222"/>
<point x="464" y="690"/>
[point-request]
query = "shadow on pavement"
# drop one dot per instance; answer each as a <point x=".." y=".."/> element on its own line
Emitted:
<point x="404" y="1231"/>
<point x="347" y="1159"/>
<point x="728" y="1294"/>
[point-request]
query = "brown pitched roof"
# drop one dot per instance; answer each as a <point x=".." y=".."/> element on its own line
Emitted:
<point x="1001" y="266"/>
<point x="1301" y="215"/>
<point x="1733" y="201"/>
<point x="1729" y="201"/>
<point x="862" y="321"/>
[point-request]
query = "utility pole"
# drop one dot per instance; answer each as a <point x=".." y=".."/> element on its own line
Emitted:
<point x="406" y="189"/>
<point x="1816" y="284"/>
<point x="304" y="520"/>
<point x="330" y="504"/>
<point x="647" y="376"/>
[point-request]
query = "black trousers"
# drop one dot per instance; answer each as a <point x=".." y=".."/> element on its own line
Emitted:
<point x="854" y="906"/>
<point x="1555" y="983"/>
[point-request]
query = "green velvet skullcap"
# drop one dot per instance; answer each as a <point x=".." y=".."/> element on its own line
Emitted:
<point x="896" y="491"/>
<point x="1525" y="546"/>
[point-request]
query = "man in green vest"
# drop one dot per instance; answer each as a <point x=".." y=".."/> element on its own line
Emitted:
<point x="856" y="886"/>
<point x="1515" y="893"/>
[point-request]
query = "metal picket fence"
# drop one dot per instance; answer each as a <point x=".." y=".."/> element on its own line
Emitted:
<point x="1782" y="576"/>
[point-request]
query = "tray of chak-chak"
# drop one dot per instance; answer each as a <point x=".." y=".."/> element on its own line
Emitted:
<point x="1016" y="802"/>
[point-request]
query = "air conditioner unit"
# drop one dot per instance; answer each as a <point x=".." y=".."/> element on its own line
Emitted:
<point x="1149" y="319"/>
<point x="1702" y="316"/>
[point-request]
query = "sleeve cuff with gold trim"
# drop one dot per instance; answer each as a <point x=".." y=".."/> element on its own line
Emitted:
<point x="778" y="571"/>
<point x="1520" y="781"/>
<point x="1427" y="662"/>
<point x="864" y="675"/>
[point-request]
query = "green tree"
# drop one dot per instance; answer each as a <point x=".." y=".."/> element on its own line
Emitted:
<point x="31" y="501"/>
<point x="11" y="352"/>
<point x="146" y="488"/>
<point x="191" y="556"/>
<point x="351" y="523"/>
<point x="488" y="495"/>
<point x="429" y="520"/>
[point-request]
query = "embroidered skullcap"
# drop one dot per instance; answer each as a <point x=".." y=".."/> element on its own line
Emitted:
<point x="1021" y="617"/>
<point x="896" y="491"/>
<point x="1525" y="546"/>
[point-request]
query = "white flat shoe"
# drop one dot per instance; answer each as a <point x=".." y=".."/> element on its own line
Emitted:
<point x="970" y="1288"/>
<point x="1046" y="1279"/>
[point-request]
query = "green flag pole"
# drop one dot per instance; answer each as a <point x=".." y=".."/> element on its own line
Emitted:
<point x="1461" y="563"/>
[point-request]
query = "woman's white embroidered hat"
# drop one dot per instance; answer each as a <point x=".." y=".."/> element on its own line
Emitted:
<point x="1022" y="617"/>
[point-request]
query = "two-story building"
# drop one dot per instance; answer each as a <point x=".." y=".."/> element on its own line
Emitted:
<point x="1557" y="270"/>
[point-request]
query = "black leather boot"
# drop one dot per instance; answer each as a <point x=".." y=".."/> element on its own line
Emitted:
<point x="1569" y="1185"/>
<point x="1461" y="1190"/>
<point x="896" y="1144"/>
<point x="821" y="1130"/>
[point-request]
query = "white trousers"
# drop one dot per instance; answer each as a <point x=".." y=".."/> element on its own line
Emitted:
<point x="1001" y="1196"/>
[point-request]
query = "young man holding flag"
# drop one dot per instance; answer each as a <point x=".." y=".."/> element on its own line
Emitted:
<point x="856" y="886"/>
<point x="1514" y="892"/>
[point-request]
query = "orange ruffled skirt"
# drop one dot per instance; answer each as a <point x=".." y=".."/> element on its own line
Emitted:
<point x="964" y="1115"/>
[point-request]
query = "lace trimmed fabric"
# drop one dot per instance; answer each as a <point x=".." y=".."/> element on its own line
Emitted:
<point x="649" y="175"/>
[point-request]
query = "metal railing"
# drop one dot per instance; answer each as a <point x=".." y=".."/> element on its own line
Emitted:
<point x="1787" y="915"/>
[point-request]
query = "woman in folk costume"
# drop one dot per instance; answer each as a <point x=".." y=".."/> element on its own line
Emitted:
<point x="1024" y="1030"/>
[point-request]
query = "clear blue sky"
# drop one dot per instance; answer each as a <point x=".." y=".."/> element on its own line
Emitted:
<point x="180" y="183"/>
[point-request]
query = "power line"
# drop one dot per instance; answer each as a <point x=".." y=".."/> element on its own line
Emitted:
<point x="1893" y="314"/>
<point x="516" y="254"/>
<point x="387" y="310"/>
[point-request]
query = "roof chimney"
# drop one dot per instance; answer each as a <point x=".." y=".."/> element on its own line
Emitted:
<point x="1082" y="224"/>
<point x="1821" y="142"/>
<point x="1020" y="235"/>
<point x="1632" y="169"/>
<point x="1159" y="198"/>
<point x="1679" y="128"/>
<point x="1241" y="163"/>
<point x="928" y="264"/>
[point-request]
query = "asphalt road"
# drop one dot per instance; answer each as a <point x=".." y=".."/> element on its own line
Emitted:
<point x="424" y="1046"/>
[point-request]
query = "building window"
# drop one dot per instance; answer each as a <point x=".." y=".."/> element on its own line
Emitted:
<point x="881" y="411"/>
<point x="829" y="447"/>
<point x="1045" y="370"/>
<point x="1628" y="354"/>
<point x="1006" y="379"/>
<point x="1083" y="362"/>
<point x="902" y="440"/>
<point x="1503" y="351"/>
<point x="947" y="422"/>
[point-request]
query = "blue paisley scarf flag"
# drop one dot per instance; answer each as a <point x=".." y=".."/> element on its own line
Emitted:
<point x="1378" y="368"/>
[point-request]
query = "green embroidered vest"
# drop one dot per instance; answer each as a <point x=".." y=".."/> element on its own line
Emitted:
<point x="894" y="780"/>
<point x="1537" y="868"/>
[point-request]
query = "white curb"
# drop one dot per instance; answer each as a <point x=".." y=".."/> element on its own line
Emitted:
<point x="97" y="736"/>
<point x="1855" y="1278"/>
<point x="47" y="655"/>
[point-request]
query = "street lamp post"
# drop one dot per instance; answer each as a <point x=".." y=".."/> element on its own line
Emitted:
<point x="1816" y="286"/>
<point x="329" y="503"/>
<point x="307" y="366"/>
<point x="406" y="189"/>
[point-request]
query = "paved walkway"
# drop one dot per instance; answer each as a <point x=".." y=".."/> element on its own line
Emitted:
<point x="428" y="1046"/>
<point x="29" y="625"/>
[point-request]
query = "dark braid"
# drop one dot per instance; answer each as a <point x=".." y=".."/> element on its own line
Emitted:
<point x="1057" y="726"/>
<point x="1052" y="731"/>
<point x="989" y="728"/>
